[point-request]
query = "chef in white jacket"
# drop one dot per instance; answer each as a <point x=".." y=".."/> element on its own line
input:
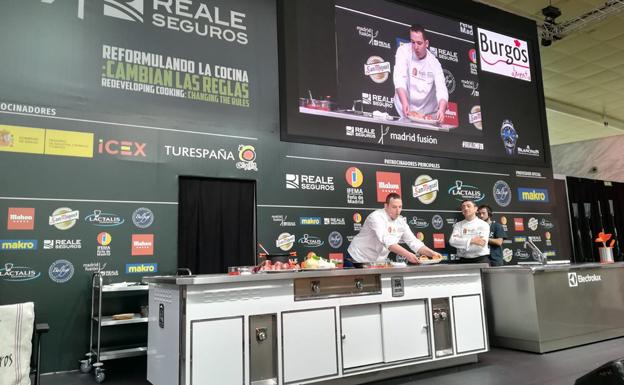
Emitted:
<point x="470" y="236"/>
<point x="418" y="78"/>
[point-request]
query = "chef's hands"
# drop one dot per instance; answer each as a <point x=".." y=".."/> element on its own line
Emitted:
<point x="413" y="258"/>
<point x="441" y="110"/>
<point x="477" y="240"/>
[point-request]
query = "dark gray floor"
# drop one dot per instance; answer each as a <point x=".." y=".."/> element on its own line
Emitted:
<point x="496" y="367"/>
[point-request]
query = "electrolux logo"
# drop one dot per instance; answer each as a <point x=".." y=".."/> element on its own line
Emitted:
<point x="574" y="279"/>
<point x="504" y="55"/>
<point x="18" y="244"/>
<point x="533" y="195"/>
<point x="141" y="268"/>
<point x="21" y="218"/>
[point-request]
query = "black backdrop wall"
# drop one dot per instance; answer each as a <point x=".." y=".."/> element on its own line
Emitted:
<point x="101" y="111"/>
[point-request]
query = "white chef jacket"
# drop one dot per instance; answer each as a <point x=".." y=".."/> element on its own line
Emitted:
<point x="463" y="231"/>
<point x="378" y="233"/>
<point x="422" y="79"/>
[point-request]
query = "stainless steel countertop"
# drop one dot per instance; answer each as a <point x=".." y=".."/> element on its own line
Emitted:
<point x="538" y="268"/>
<point x="209" y="279"/>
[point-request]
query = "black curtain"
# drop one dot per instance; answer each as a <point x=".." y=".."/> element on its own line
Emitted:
<point x="595" y="206"/>
<point x="216" y="224"/>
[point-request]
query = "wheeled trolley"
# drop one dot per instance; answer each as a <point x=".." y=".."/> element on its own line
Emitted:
<point x="98" y="353"/>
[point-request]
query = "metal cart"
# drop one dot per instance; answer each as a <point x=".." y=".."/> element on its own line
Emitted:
<point x="96" y="353"/>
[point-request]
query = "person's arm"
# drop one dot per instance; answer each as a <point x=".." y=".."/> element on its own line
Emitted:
<point x="441" y="93"/>
<point x="400" y="77"/>
<point x="495" y="241"/>
<point x="499" y="235"/>
<point x="458" y="240"/>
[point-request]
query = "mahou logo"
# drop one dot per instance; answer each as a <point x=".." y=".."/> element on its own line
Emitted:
<point x="504" y="55"/>
<point x="387" y="182"/>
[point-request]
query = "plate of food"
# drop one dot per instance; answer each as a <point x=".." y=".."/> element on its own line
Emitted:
<point x="417" y="117"/>
<point x="424" y="260"/>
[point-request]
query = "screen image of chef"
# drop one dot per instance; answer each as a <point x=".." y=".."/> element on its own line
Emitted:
<point x="376" y="61"/>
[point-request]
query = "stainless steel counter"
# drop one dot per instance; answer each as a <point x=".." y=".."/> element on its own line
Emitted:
<point x="207" y="279"/>
<point x="544" y="308"/>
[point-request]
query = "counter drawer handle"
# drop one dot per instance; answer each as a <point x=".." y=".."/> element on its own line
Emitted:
<point x="343" y="336"/>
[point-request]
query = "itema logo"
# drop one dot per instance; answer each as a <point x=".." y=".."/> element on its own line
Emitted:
<point x="533" y="195"/>
<point x="21" y="218"/>
<point x="141" y="268"/>
<point x="504" y="55"/>
<point x="18" y="244"/>
<point x="354" y="177"/>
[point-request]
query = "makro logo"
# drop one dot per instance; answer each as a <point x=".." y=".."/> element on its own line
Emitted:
<point x="121" y="147"/>
<point x="533" y="195"/>
<point x="18" y="244"/>
<point x="21" y="218"/>
<point x="502" y="193"/>
<point x="504" y="55"/>
<point x="387" y="182"/>
<point x="311" y="241"/>
<point x="309" y="182"/>
<point x="131" y="10"/>
<point x="13" y="273"/>
<point x="354" y="177"/>
<point x="575" y="279"/>
<point x="309" y="220"/>
<point x="142" y="244"/>
<point x="461" y="191"/>
<point x="141" y="268"/>
<point x="98" y="218"/>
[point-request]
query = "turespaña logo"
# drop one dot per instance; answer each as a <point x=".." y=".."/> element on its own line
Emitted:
<point x="142" y="244"/>
<point x="247" y="157"/>
<point x="61" y="271"/>
<point x="142" y="217"/>
<point x="21" y="218"/>
<point x="335" y="239"/>
<point x="64" y="218"/>
<point x="354" y="177"/>
<point x="538" y="195"/>
<point x="285" y="241"/>
<point x="98" y="218"/>
<point x="437" y="222"/>
<point x="426" y="189"/>
<point x="18" y="244"/>
<point x="131" y="10"/>
<point x="141" y="268"/>
<point x="461" y="191"/>
<point x="502" y="193"/>
<point x="13" y="273"/>
<point x="504" y="55"/>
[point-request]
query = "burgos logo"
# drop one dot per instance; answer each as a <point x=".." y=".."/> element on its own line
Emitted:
<point x="18" y="244"/>
<point x="504" y="55"/>
<point x="141" y="268"/>
<point x="532" y="195"/>
<point x="131" y="10"/>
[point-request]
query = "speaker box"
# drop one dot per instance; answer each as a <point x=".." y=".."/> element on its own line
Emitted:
<point x="611" y="373"/>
